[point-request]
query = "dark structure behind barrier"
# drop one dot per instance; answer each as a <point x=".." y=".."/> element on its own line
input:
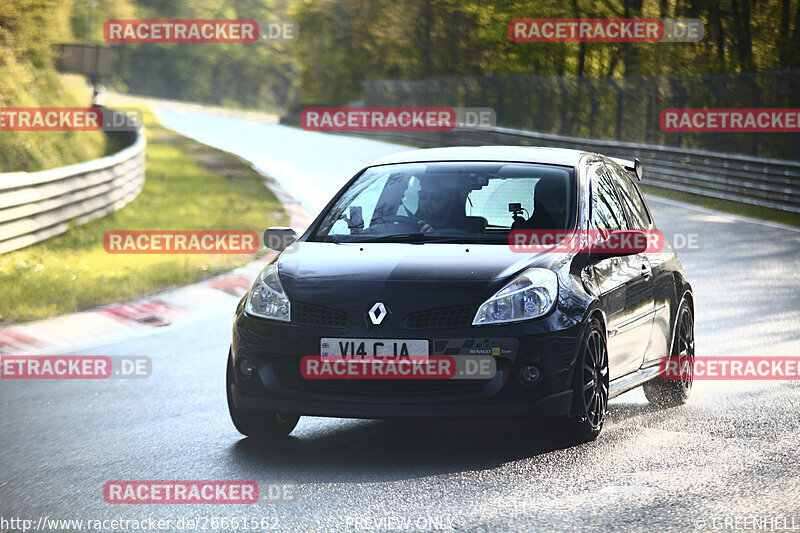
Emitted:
<point x="94" y="62"/>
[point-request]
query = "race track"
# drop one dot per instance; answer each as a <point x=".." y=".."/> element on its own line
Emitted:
<point x="730" y="452"/>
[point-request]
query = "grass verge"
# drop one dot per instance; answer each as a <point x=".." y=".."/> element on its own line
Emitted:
<point x="188" y="186"/>
<point x="31" y="151"/>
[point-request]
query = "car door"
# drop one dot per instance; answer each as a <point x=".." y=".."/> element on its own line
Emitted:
<point x="625" y="283"/>
<point x="659" y="261"/>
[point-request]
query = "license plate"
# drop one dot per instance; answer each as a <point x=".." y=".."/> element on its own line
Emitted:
<point x="383" y="348"/>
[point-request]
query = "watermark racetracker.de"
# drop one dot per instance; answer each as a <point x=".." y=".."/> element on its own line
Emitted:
<point x="189" y="492"/>
<point x="69" y="119"/>
<point x="181" y="242"/>
<point x="396" y="118"/>
<point x="675" y="368"/>
<point x="197" y="31"/>
<point x="619" y="30"/>
<point x="398" y="367"/>
<point x="75" y="367"/>
<point x="602" y="241"/>
<point x="728" y="120"/>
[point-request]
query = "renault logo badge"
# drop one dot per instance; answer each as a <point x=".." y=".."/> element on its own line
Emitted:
<point x="377" y="313"/>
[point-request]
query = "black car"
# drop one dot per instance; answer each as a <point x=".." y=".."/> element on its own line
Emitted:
<point x="414" y="252"/>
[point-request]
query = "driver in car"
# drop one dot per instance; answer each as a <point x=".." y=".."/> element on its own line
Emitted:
<point x="439" y="208"/>
<point x="549" y="206"/>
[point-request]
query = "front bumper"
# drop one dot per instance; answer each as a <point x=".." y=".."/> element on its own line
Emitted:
<point x="275" y="350"/>
<point x="552" y="405"/>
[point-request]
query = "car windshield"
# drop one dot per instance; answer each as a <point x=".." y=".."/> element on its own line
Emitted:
<point x="462" y="202"/>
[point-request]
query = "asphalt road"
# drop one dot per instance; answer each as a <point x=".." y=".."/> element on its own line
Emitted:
<point x="730" y="454"/>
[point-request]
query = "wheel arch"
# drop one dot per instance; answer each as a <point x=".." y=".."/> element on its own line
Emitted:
<point x="595" y="311"/>
<point x="688" y="296"/>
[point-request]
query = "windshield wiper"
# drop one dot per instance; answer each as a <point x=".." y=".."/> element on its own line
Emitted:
<point x="399" y="237"/>
<point x="427" y="238"/>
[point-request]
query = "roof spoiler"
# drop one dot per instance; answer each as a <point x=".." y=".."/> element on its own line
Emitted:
<point x="635" y="166"/>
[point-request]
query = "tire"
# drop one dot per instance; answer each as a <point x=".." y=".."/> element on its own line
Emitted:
<point x="671" y="393"/>
<point x="273" y="427"/>
<point x="590" y="386"/>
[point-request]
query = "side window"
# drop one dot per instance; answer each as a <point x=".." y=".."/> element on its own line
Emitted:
<point x="632" y="199"/>
<point x="608" y="214"/>
<point x="367" y="198"/>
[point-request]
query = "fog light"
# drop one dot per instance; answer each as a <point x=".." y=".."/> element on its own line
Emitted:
<point x="245" y="367"/>
<point x="529" y="374"/>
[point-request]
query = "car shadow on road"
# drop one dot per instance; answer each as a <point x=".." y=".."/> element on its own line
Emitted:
<point x="332" y="450"/>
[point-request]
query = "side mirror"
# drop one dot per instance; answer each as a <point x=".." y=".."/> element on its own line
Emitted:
<point x="619" y="243"/>
<point x="279" y="239"/>
<point x="637" y="169"/>
<point x="355" y="222"/>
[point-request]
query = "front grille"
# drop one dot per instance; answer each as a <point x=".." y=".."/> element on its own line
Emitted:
<point x="287" y="370"/>
<point x="315" y="315"/>
<point x="450" y="317"/>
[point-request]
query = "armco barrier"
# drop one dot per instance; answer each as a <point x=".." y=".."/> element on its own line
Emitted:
<point x="773" y="183"/>
<point x="35" y="206"/>
<point x="622" y="109"/>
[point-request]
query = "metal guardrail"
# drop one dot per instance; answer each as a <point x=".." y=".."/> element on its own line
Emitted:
<point x="772" y="183"/>
<point x="35" y="206"/>
<point x="623" y="109"/>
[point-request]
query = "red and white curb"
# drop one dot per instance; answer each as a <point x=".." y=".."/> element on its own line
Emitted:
<point x="118" y="321"/>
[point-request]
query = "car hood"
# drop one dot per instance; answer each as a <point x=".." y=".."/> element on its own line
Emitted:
<point x="431" y="275"/>
<point x="401" y="262"/>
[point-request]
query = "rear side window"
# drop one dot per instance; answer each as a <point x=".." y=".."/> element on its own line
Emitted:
<point x="608" y="214"/>
<point x="632" y="199"/>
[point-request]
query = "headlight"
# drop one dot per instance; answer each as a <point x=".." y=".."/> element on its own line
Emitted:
<point x="267" y="298"/>
<point x="531" y="294"/>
